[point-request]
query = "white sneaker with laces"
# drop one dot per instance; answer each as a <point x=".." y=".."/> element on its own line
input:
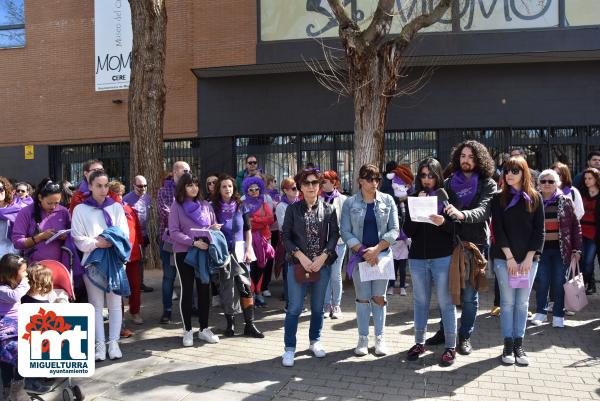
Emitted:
<point x="569" y="313"/>
<point x="317" y="349"/>
<point x="336" y="312"/>
<point x="114" y="352"/>
<point x="558" y="321"/>
<point x="100" y="351"/>
<point x="390" y="291"/>
<point x="188" y="338"/>
<point x="403" y="292"/>
<point x="208" y="336"/>
<point x="287" y="359"/>
<point x="538" y="319"/>
<point x="362" y="348"/>
<point x="380" y="347"/>
<point x="266" y="293"/>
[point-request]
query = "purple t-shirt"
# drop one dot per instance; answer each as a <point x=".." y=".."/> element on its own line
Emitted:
<point x="10" y="299"/>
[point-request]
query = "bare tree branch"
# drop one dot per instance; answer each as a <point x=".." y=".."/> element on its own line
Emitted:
<point x="381" y="22"/>
<point x="340" y="14"/>
<point x="422" y="21"/>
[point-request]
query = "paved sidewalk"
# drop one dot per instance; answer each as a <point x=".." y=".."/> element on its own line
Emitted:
<point x="565" y="363"/>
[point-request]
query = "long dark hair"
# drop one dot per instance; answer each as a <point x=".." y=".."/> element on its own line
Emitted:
<point x="484" y="164"/>
<point x="435" y="168"/>
<point x="184" y="181"/>
<point x="8" y="190"/>
<point x="46" y="187"/>
<point x="583" y="189"/>
<point x="9" y="269"/>
<point x="527" y="184"/>
<point x="216" y="197"/>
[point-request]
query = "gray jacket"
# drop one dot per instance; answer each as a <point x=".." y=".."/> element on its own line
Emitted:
<point x="353" y="219"/>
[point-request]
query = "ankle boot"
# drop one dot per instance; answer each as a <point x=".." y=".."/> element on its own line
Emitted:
<point x="250" y="329"/>
<point x="230" y="330"/>
<point x="507" y="354"/>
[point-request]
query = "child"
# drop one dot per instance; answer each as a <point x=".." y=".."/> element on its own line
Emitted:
<point x="13" y="285"/>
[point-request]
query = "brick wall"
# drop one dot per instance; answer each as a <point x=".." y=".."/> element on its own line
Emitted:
<point x="47" y="91"/>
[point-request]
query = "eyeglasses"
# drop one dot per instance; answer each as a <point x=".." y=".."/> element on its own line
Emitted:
<point x="547" y="181"/>
<point x="313" y="183"/>
<point x="430" y="176"/>
<point x="253" y="189"/>
<point x="141" y="186"/>
<point x="252" y="162"/>
<point x="514" y="171"/>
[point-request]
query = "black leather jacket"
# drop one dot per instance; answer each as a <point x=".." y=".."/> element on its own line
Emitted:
<point x="294" y="230"/>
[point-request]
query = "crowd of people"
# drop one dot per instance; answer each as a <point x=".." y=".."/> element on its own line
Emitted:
<point x="228" y="238"/>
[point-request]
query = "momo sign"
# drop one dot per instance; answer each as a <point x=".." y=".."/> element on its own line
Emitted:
<point x="56" y="340"/>
<point x="113" y="37"/>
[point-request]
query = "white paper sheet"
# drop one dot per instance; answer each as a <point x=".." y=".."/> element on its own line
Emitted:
<point x="240" y="252"/>
<point x="421" y="207"/>
<point x="384" y="270"/>
<point x="58" y="234"/>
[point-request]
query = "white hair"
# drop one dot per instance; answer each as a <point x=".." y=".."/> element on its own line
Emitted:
<point x="550" y="172"/>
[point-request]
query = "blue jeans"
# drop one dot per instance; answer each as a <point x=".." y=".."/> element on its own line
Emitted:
<point x="587" y="258"/>
<point x="514" y="302"/>
<point x="333" y="294"/>
<point x="425" y="272"/>
<point x="296" y="293"/>
<point x="169" y="273"/>
<point x="365" y="291"/>
<point x="551" y="276"/>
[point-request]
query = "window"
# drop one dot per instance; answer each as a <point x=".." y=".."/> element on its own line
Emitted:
<point x="12" y="23"/>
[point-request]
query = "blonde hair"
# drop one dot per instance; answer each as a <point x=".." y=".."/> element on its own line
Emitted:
<point x="116" y="187"/>
<point x="40" y="279"/>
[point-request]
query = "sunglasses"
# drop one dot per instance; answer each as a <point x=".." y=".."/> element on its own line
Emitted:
<point x="292" y="189"/>
<point x="547" y="181"/>
<point x="514" y="171"/>
<point x="186" y="171"/>
<point x="211" y="182"/>
<point x="20" y="191"/>
<point x="141" y="186"/>
<point x="253" y="189"/>
<point x="1" y="189"/>
<point x="314" y="183"/>
<point x="430" y="176"/>
<point x="252" y="162"/>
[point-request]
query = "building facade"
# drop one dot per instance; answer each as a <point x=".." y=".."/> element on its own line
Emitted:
<point x="510" y="73"/>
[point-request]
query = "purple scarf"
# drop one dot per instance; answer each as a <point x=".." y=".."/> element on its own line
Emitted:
<point x="464" y="188"/>
<point x="330" y="196"/>
<point x="567" y="191"/>
<point x="10" y="212"/>
<point x="285" y="200"/>
<point x="554" y="198"/>
<point x="252" y="204"/>
<point x="228" y="209"/>
<point x="193" y="210"/>
<point x="274" y="194"/>
<point x="517" y="195"/>
<point x="83" y="187"/>
<point x="90" y="201"/>
<point x="354" y="260"/>
<point x="23" y="202"/>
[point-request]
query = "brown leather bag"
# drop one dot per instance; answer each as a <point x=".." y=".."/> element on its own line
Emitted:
<point x="302" y="276"/>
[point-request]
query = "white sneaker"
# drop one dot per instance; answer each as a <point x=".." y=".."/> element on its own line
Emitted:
<point x="100" y="351"/>
<point x="317" y="349"/>
<point x="208" y="336"/>
<point x="558" y="321"/>
<point x="549" y="307"/>
<point x="336" y="312"/>
<point x="327" y="308"/>
<point x="188" y="338"/>
<point x="114" y="352"/>
<point x="403" y="292"/>
<point x="538" y="319"/>
<point x="267" y="293"/>
<point x="508" y="359"/>
<point x="175" y="296"/>
<point x="287" y="359"/>
<point x="362" y="348"/>
<point x="390" y="291"/>
<point x="216" y="300"/>
<point x="569" y="313"/>
<point x="380" y="347"/>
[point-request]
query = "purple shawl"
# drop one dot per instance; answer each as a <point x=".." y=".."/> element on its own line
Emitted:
<point x="517" y="195"/>
<point x="330" y="196"/>
<point x="464" y="188"/>
<point x="262" y="249"/>
<point x="252" y="204"/>
<point x="274" y="194"/>
<point x="90" y="201"/>
<point x="554" y="198"/>
<point x="23" y="201"/>
<point x="285" y="200"/>
<point x="83" y="187"/>
<point x="193" y="210"/>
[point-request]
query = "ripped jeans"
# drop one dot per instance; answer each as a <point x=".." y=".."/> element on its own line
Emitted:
<point x="365" y="304"/>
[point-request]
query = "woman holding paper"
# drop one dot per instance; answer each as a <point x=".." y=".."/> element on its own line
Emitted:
<point x="39" y="222"/>
<point x="518" y="229"/>
<point x="429" y="262"/>
<point x="369" y="225"/>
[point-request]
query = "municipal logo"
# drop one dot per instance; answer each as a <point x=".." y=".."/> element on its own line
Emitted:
<point x="56" y="340"/>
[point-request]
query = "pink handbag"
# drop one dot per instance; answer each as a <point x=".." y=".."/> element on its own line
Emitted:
<point x="518" y="280"/>
<point x="575" y="298"/>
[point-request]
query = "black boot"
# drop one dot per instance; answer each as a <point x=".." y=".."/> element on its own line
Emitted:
<point x="464" y="345"/>
<point x="230" y="330"/>
<point x="250" y="329"/>
<point x="591" y="287"/>
<point x="507" y="354"/>
<point x="437" y="339"/>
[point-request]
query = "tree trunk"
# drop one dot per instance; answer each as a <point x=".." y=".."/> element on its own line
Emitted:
<point x="146" y="111"/>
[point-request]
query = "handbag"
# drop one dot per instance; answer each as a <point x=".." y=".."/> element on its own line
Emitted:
<point x="302" y="276"/>
<point x="518" y="280"/>
<point x="575" y="298"/>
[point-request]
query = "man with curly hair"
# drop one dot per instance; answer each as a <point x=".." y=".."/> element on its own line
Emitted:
<point x="470" y="190"/>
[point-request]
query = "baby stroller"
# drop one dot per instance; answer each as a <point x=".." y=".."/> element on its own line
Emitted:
<point x="62" y="281"/>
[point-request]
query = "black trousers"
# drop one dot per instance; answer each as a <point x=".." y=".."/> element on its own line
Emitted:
<point x="188" y="278"/>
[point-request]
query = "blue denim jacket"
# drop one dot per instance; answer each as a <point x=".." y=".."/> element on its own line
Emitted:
<point x="353" y="219"/>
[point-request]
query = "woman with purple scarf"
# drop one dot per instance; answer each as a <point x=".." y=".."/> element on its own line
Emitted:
<point x="93" y="217"/>
<point x="234" y="281"/>
<point x="273" y="193"/>
<point x="518" y="228"/>
<point x="189" y="214"/>
<point x="256" y="204"/>
<point x="9" y="208"/>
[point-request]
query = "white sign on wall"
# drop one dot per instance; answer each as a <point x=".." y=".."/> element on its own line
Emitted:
<point x="113" y="39"/>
